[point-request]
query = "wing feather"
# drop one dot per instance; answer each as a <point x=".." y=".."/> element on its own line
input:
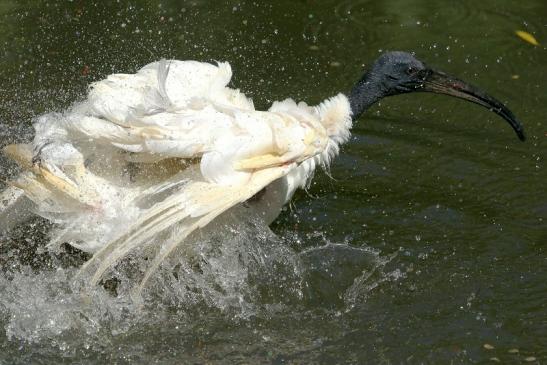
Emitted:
<point x="193" y="207"/>
<point x="96" y="158"/>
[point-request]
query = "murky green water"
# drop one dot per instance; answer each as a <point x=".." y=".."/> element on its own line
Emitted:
<point x="428" y="242"/>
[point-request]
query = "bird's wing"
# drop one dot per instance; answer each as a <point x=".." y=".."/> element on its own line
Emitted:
<point x="166" y="109"/>
<point x="129" y="108"/>
<point x="160" y="86"/>
<point x="184" y="110"/>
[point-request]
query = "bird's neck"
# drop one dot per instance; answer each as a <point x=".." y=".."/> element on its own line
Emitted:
<point x="365" y="93"/>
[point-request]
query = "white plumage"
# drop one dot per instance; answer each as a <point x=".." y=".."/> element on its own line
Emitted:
<point x="151" y="157"/>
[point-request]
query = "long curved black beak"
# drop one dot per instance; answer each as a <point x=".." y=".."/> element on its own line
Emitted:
<point x="441" y="83"/>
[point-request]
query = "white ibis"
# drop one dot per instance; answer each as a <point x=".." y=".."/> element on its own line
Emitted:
<point x="149" y="158"/>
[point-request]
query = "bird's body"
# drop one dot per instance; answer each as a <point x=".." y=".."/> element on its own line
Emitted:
<point x="149" y="158"/>
<point x="170" y="147"/>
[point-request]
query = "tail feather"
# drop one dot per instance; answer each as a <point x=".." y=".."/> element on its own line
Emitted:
<point x="194" y="206"/>
<point x="241" y="194"/>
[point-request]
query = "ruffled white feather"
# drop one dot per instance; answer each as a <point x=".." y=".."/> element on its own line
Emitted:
<point x="162" y="152"/>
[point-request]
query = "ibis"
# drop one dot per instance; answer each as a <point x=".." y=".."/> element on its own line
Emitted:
<point x="149" y="158"/>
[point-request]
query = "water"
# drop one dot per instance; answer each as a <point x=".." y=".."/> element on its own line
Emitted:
<point x="427" y="245"/>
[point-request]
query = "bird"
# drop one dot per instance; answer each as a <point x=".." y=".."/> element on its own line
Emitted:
<point x="149" y="158"/>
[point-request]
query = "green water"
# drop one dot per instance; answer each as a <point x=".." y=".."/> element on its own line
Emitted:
<point x="427" y="245"/>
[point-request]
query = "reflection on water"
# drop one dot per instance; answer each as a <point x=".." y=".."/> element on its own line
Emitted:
<point x="427" y="243"/>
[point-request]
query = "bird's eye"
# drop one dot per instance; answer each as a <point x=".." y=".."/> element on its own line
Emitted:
<point x="410" y="71"/>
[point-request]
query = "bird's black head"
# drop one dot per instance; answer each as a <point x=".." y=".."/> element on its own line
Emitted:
<point x="396" y="73"/>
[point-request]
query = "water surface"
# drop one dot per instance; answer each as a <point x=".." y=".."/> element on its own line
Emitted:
<point x="427" y="243"/>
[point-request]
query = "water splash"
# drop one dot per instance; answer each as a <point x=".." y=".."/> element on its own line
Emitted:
<point x="241" y="271"/>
